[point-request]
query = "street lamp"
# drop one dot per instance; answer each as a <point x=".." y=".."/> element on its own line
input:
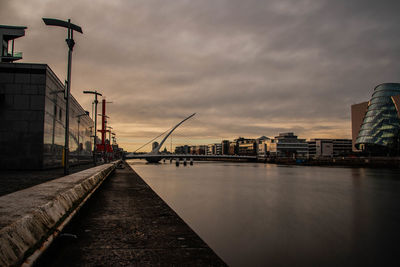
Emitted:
<point x="70" y="42"/>
<point x="103" y="131"/>
<point x="109" y="135"/>
<point x="95" y="122"/>
<point x="79" y="122"/>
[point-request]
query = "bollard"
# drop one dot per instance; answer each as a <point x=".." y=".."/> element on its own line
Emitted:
<point x="184" y="162"/>
<point x="191" y="161"/>
<point x="177" y="162"/>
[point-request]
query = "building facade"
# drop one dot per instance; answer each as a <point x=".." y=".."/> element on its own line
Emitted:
<point x="320" y="147"/>
<point x="287" y="145"/>
<point x="32" y="115"/>
<point x="214" y="149"/>
<point x="379" y="133"/>
<point x="357" y="116"/>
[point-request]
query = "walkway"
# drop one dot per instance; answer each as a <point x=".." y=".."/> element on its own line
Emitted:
<point x="126" y="223"/>
<point x="15" y="180"/>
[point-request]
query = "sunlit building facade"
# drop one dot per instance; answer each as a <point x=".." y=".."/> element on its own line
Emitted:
<point x="380" y="129"/>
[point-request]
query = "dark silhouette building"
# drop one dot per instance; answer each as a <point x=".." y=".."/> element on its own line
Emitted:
<point x="32" y="116"/>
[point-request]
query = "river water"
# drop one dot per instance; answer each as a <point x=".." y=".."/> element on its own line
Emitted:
<point x="255" y="214"/>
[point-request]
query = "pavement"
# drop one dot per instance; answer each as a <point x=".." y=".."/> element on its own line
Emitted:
<point x="126" y="223"/>
<point x="15" y="180"/>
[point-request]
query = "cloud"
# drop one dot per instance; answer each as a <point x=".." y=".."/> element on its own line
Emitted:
<point x="248" y="68"/>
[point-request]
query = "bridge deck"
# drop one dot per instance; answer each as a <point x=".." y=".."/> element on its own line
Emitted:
<point x="188" y="156"/>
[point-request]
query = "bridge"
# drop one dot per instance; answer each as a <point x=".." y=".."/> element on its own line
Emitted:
<point x="155" y="156"/>
<point x="151" y="157"/>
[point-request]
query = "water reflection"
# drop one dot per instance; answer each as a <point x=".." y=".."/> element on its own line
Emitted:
<point x="256" y="214"/>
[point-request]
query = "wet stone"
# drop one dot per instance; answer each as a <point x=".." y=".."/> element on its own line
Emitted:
<point x="127" y="224"/>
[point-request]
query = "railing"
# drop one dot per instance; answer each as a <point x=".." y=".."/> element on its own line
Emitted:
<point x="12" y="57"/>
<point x="17" y="55"/>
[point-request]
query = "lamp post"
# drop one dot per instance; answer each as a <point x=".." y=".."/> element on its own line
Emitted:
<point x="95" y="123"/>
<point x="70" y="42"/>
<point x="109" y="136"/>
<point x="79" y="122"/>
<point x="103" y="130"/>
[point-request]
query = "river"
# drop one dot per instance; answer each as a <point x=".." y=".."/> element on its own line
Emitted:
<point x="254" y="214"/>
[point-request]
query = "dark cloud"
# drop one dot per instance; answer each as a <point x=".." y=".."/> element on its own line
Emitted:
<point x="248" y="68"/>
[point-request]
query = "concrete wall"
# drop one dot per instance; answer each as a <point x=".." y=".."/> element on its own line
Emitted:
<point x="30" y="217"/>
<point x="22" y="89"/>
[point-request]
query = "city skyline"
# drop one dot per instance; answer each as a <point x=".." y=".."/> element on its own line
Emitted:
<point x="247" y="68"/>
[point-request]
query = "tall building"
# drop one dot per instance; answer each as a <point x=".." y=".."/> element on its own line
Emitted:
<point x="225" y="147"/>
<point x="32" y="115"/>
<point x="357" y="117"/>
<point x="379" y="133"/>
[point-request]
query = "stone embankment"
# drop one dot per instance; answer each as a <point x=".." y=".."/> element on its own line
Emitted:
<point x="31" y="218"/>
<point x="367" y="162"/>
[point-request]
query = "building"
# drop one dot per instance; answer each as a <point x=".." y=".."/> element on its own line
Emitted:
<point x="319" y="147"/>
<point x="154" y="145"/>
<point x="185" y="149"/>
<point x="245" y="146"/>
<point x="198" y="150"/>
<point x="225" y="147"/>
<point x="286" y="145"/>
<point x="214" y="149"/>
<point x="357" y="116"/>
<point x="7" y="36"/>
<point x="32" y="115"/>
<point x="261" y="143"/>
<point x="379" y="133"/>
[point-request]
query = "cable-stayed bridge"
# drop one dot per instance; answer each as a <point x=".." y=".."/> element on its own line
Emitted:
<point x="155" y="156"/>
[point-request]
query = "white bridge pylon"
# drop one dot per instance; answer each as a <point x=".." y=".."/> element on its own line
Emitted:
<point x="156" y="150"/>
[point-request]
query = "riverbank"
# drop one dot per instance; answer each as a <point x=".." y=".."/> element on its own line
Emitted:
<point x="30" y="219"/>
<point x="127" y="223"/>
<point x="367" y="162"/>
<point x="15" y="180"/>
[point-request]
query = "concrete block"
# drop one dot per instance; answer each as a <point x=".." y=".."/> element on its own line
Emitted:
<point x="21" y="102"/>
<point x="36" y="102"/>
<point x="38" y="78"/>
<point x="30" y="216"/>
<point x="22" y="78"/>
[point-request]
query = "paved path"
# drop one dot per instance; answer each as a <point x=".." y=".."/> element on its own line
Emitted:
<point x="126" y="223"/>
<point x="15" y="180"/>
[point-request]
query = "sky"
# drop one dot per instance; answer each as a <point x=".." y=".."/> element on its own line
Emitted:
<point x="247" y="68"/>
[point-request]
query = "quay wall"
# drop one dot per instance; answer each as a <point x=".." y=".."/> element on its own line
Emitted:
<point x="369" y="162"/>
<point x="31" y="218"/>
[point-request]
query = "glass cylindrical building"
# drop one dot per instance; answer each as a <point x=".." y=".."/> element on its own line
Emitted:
<point x="379" y="132"/>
